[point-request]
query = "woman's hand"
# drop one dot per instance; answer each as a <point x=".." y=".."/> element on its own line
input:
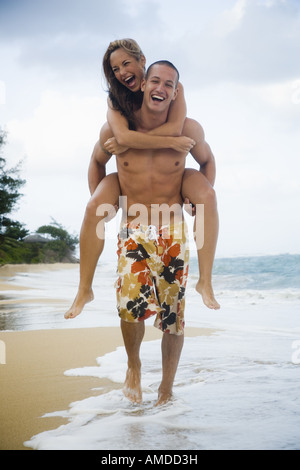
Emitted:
<point x="112" y="146"/>
<point x="182" y="144"/>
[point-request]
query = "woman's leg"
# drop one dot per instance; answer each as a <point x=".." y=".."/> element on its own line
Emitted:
<point x="198" y="190"/>
<point x="91" y="241"/>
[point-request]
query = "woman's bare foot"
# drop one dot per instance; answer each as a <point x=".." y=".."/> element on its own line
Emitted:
<point x="206" y="290"/>
<point x="82" y="298"/>
<point x="132" y="387"/>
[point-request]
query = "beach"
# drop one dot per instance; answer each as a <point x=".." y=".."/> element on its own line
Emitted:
<point x="33" y="381"/>
<point x="237" y="384"/>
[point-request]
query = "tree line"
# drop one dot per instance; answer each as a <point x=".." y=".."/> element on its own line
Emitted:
<point x="55" y="243"/>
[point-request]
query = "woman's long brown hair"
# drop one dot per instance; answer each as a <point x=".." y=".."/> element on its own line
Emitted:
<point x="121" y="98"/>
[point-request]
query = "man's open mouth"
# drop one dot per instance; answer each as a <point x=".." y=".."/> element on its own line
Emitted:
<point x="157" y="98"/>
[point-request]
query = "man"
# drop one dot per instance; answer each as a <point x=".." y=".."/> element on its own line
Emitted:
<point x="153" y="252"/>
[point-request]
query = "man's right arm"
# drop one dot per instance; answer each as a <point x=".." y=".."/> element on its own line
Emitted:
<point x="201" y="151"/>
<point x="99" y="159"/>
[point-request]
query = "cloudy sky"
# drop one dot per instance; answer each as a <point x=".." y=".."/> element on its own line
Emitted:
<point x="239" y="64"/>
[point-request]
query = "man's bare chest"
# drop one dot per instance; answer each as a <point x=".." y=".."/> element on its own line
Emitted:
<point x="151" y="161"/>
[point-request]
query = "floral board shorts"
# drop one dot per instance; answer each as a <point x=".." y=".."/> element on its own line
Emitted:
<point x="152" y="275"/>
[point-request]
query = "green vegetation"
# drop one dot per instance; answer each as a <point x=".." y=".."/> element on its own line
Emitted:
<point x="52" y="244"/>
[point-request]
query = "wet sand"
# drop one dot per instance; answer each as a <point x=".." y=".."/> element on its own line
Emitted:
<point x="33" y="381"/>
<point x="32" y="366"/>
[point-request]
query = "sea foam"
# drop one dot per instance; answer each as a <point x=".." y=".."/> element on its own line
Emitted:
<point x="235" y="390"/>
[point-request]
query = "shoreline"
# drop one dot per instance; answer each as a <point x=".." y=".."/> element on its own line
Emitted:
<point x="8" y="271"/>
<point x="33" y="381"/>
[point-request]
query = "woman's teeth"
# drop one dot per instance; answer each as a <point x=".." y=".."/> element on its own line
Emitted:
<point x="129" y="80"/>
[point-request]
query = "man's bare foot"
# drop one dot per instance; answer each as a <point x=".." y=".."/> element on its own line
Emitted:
<point x="82" y="298"/>
<point x="163" y="397"/>
<point x="132" y="387"/>
<point x="208" y="296"/>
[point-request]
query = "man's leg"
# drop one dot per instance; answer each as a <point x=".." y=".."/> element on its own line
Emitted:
<point x="171" y="348"/>
<point x="133" y="334"/>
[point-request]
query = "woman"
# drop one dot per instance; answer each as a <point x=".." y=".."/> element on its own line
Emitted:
<point x="124" y="69"/>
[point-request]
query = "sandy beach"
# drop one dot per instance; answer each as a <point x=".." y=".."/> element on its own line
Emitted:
<point x="9" y="270"/>
<point x="243" y="365"/>
<point x="32" y="379"/>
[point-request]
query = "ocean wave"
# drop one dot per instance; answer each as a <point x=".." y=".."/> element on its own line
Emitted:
<point x="223" y="382"/>
<point x="39" y="300"/>
<point x="261" y="272"/>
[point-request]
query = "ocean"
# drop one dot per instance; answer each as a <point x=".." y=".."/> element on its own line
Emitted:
<point x="236" y="389"/>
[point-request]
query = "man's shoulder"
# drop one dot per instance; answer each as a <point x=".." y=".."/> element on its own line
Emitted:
<point x="191" y="126"/>
<point x="105" y="133"/>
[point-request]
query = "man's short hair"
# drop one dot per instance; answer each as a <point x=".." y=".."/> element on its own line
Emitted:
<point x="163" y="62"/>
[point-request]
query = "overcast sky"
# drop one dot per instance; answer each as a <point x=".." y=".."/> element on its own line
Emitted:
<point x="239" y="64"/>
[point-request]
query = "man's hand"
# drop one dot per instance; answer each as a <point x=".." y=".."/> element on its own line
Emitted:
<point x="112" y="146"/>
<point x="189" y="207"/>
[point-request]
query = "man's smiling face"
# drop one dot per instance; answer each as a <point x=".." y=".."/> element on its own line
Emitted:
<point x="160" y="88"/>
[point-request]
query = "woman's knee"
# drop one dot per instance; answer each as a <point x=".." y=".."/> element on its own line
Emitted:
<point x="107" y="193"/>
<point x="99" y="210"/>
<point x="197" y="188"/>
<point x="92" y="206"/>
<point x="209" y="194"/>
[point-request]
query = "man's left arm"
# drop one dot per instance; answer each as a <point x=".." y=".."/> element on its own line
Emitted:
<point x="201" y="151"/>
